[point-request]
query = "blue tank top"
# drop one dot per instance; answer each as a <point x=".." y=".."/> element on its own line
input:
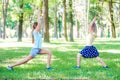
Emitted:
<point x="37" y="39"/>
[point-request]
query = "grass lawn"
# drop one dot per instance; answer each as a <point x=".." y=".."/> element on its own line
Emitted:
<point x="63" y="61"/>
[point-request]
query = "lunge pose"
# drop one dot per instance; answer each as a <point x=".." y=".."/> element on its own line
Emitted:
<point x="37" y="48"/>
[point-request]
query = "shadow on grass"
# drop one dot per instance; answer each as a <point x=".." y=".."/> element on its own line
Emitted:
<point x="10" y="53"/>
<point x="60" y="73"/>
<point x="64" y="55"/>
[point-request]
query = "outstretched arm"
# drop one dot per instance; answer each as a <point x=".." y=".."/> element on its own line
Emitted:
<point x="91" y="24"/>
<point x="93" y="21"/>
<point x="38" y="26"/>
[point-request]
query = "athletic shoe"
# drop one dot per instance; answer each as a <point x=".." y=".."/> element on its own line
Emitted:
<point x="10" y="68"/>
<point x="49" y="68"/>
<point x="105" y="67"/>
<point x="77" y="67"/>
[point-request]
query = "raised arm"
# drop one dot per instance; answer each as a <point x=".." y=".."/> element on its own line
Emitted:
<point x="39" y="20"/>
<point x="93" y="21"/>
<point x="91" y="25"/>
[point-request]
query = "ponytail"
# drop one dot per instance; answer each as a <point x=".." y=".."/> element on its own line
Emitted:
<point x="34" y="26"/>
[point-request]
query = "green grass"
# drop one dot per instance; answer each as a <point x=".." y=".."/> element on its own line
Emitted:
<point x="63" y="61"/>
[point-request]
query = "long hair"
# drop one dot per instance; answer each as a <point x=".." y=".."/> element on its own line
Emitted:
<point x="33" y="27"/>
<point x="93" y="28"/>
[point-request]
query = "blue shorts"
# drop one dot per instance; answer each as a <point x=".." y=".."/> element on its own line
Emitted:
<point x="34" y="51"/>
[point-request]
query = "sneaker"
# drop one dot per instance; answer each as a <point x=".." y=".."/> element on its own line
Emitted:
<point x="77" y="67"/>
<point x="10" y="68"/>
<point x="49" y="68"/>
<point x="105" y="67"/>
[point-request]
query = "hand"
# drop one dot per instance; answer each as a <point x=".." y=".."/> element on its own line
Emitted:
<point x="94" y="19"/>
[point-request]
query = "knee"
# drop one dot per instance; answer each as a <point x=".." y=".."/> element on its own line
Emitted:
<point x="97" y="58"/>
<point x="78" y="54"/>
<point x="49" y="53"/>
<point x="26" y="61"/>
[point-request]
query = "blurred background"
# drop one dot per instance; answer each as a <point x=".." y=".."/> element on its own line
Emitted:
<point x="67" y="19"/>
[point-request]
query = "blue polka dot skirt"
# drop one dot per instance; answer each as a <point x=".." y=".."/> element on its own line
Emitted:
<point x="89" y="52"/>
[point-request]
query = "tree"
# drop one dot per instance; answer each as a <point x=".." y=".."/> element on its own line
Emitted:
<point x="64" y="20"/>
<point x="59" y="21"/>
<point x="78" y="27"/>
<point x="113" y="32"/>
<point x="20" y="22"/>
<point x="55" y="21"/>
<point x="119" y="15"/>
<point x="71" y="20"/>
<point x="18" y="10"/>
<point x="46" y="23"/>
<point x="4" y="8"/>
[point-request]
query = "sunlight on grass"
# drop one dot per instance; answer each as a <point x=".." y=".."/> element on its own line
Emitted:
<point x="42" y="59"/>
<point x="116" y="60"/>
<point x="116" y="43"/>
<point x="110" y="43"/>
<point x="111" y="51"/>
<point x="7" y="48"/>
<point x="11" y="61"/>
<point x="107" y="39"/>
<point x="12" y="42"/>
<point x="39" y="77"/>
<point x="64" y="49"/>
<point x="15" y="44"/>
<point x="55" y="45"/>
<point x="63" y="61"/>
<point x="118" y="64"/>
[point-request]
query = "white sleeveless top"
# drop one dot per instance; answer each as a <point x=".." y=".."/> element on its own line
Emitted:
<point x="37" y="39"/>
<point x="90" y="38"/>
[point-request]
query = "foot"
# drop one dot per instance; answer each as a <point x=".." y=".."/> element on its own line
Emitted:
<point x="105" y="67"/>
<point x="10" y="68"/>
<point x="77" y="67"/>
<point x="49" y="68"/>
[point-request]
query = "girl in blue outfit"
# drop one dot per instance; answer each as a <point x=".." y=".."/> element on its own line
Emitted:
<point x="90" y="51"/>
<point x="37" y="48"/>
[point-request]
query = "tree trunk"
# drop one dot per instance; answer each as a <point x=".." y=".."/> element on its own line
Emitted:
<point x="78" y="27"/>
<point x="20" y="23"/>
<point x="87" y="15"/>
<point x="113" y="32"/>
<point x="71" y="21"/>
<point x="64" y="20"/>
<point x="4" y="20"/>
<point x="60" y="26"/>
<point x="4" y="7"/>
<point x="46" y="23"/>
<point x="118" y="29"/>
<point x="119" y="14"/>
<point x="55" y="21"/>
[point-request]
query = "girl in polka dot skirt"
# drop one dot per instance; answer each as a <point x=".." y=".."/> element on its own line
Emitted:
<point x="89" y="51"/>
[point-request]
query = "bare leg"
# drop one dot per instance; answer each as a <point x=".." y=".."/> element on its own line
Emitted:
<point x="49" y="56"/>
<point x="78" y="59"/>
<point x="22" y="61"/>
<point x="101" y="61"/>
